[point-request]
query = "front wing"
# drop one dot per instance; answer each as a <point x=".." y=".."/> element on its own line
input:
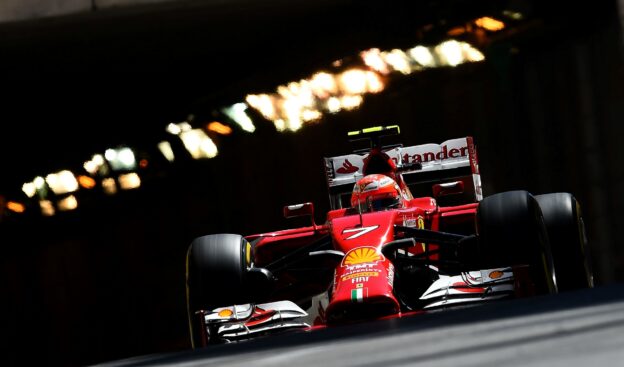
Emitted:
<point x="227" y="324"/>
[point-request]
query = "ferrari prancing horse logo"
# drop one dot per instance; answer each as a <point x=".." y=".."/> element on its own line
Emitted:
<point x="359" y="231"/>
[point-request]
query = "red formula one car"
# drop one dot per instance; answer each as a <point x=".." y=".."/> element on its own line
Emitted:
<point x="408" y="231"/>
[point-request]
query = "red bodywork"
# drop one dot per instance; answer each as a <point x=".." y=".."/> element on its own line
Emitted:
<point x="363" y="280"/>
<point x="362" y="285"/>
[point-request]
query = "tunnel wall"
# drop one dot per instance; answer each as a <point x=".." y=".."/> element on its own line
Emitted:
<point x="20" y="10"/>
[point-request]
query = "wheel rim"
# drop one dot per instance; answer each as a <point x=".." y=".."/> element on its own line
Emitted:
<point x="589" y="273"/>
<point x="547" y="262"/>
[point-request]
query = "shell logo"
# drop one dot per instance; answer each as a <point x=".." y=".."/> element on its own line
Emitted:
<point x="361" y="255"/>
<point x="225" y="313"/>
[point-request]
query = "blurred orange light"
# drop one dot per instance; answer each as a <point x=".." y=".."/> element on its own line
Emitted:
<point x="353" y="81"/>
<point x="129" y="181"/>
<point x="68" y="203"/>
<point x="457" y="31"/>
<point x="143" y="163"/>
<point x="109" y="185"/>
<point x="490" y="24"/>
<point x="86" y="182"/>
<point x="219" y="128"/>
<point x="373" y="59"/>
<point x="15" y="207"/>
<point x="47" y="208"/>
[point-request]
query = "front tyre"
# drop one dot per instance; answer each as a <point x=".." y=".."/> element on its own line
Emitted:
<point x="215" y="275"/>
<point x="568" y="240"/>
<point x="511" y="231"/>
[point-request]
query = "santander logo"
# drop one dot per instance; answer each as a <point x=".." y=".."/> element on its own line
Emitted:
<point x="429" y="156"/>
<point x="347" y="167"/>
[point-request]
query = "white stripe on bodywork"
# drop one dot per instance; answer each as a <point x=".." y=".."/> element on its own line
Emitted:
<point x="360" y="231"/>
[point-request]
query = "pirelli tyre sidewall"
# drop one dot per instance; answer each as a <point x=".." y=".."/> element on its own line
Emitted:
<point x="568" y="240"/>
<point x="215" y="275"/>
<point x="511" y="231"/>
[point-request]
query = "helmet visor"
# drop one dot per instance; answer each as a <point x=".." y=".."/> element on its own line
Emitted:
<point x="379" y="204"/>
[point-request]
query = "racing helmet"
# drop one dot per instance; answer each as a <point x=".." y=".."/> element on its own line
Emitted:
<point x="376" y="192"/>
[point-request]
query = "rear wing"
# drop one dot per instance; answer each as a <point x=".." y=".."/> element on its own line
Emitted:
<point x="452" y="160"/>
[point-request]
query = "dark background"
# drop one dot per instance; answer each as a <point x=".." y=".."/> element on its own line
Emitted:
<point x="107" y="280"/>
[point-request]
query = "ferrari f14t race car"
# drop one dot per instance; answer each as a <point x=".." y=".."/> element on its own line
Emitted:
<point x="408" y="231"/>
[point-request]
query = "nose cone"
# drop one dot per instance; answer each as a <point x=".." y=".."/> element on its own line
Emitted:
<point x="362" y="287"/>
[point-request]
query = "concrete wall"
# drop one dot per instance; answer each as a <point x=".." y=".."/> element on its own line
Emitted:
<point x="20" y="10"/>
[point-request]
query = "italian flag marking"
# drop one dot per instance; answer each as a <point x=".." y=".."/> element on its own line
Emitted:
<point x="357" y="295"/>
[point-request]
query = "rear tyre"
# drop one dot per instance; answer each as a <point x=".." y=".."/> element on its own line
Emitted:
<point x="215" y="276"/>
<point x="568" y="240"/>
<point x="511" y="231"/>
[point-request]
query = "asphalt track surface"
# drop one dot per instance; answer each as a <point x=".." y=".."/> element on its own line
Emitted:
<point x="583" y="328"/>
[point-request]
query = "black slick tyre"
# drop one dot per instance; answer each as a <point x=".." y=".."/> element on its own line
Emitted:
<point x="511" y="231"/>
<point x="215" y="276"/>
<point x="568" y="240"/>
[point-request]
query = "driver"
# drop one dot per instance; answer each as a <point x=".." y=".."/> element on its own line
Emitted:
<point x="376" y="192"/>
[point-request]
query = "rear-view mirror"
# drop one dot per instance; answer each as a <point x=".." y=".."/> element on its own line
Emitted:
<point x="300" y="210"/>
<point x="448" y="188"/>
